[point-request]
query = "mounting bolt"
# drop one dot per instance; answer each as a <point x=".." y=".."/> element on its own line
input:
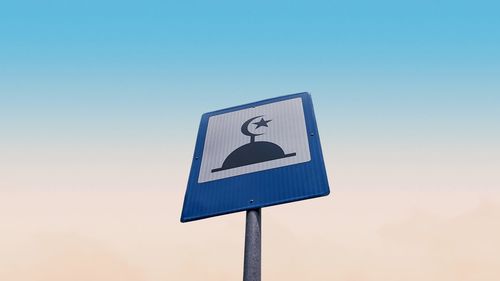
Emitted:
<point x="312" y="134"/>
<point x="251" y="201"/>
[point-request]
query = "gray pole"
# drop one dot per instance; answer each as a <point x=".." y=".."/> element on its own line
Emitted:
<point x="251" y="267"/>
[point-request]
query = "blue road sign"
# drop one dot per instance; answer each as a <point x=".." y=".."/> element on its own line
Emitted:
<point x="255" y="155"/>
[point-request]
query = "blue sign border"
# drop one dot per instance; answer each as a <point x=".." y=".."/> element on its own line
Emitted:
<point x="259" y="189"/>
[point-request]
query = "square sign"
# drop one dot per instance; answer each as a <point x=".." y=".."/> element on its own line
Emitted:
<point x="255" y="155"/>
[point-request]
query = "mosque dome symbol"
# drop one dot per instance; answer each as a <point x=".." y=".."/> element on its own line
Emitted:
<point x="255" y="151"/>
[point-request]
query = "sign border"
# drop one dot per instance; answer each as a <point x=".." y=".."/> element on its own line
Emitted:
<point x="318" y="182"/>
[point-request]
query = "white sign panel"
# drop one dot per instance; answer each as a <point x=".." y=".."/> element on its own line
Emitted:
<point x="255" y="139"/>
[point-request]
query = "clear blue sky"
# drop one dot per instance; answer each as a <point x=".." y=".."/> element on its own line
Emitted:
<point x="400" y="73"/>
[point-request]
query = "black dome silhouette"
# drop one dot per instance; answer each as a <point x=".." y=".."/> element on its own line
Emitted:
<point x="255" y="151"/>
<point x="252" y="153"/>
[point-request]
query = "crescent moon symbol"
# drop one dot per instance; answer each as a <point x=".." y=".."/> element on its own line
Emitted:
<point x="244" y="127"/>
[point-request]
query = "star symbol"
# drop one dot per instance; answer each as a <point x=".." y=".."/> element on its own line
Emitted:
<point x="262" y="123"/>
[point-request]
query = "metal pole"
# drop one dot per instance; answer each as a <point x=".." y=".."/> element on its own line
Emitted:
<point x="251" y="267"/>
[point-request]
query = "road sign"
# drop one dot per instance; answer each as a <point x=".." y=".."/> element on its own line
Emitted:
<point x="255" y="155"/>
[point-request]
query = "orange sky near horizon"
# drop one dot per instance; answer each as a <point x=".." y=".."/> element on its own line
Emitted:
<point x="373" y="235"/>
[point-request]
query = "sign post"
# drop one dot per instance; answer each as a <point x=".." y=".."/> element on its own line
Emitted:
<point x="253" y="156"/>
<point x="253" y="246"/>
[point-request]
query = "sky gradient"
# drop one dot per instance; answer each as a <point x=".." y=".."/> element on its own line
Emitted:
<point x="100" y="104"/>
